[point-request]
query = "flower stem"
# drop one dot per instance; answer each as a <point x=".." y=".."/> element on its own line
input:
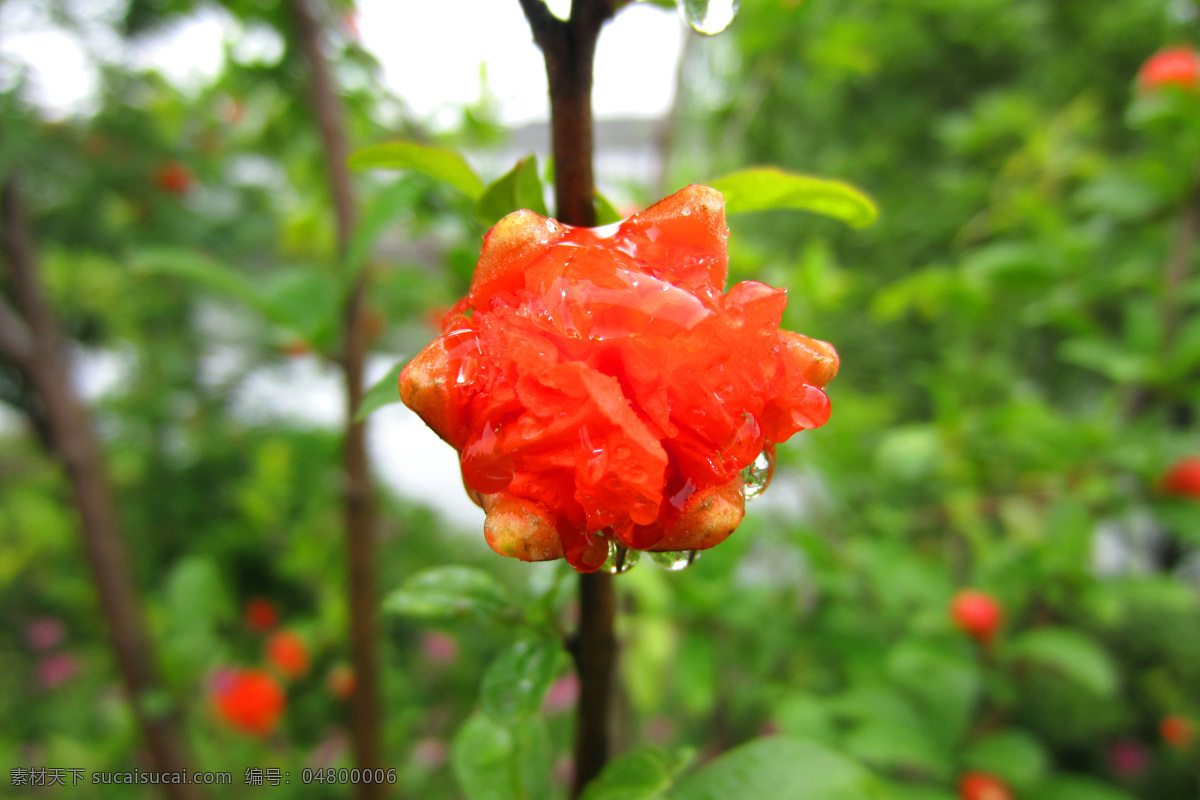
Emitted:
<point x="569" y="49"/>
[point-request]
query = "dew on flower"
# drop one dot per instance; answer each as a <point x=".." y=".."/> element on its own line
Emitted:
<point x="620" y="558"/>
<point x="757" y="477"/>
<point x="675" y="560"/>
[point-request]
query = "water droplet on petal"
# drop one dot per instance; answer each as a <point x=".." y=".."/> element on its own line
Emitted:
<point x="708" y="16"/>
<point x="620" y="558"/>
<point x="757" y="477"/>
<point x="676" y="560"/>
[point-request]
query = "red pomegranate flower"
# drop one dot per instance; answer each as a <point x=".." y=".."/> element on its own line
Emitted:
<point x="249" y="700"/>
<point x="288" y="653"/>
<point x="601" y="389"/>
<point x="1173" y="66"/>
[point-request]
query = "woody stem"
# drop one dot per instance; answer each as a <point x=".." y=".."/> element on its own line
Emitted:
<point x="569" y="48"/>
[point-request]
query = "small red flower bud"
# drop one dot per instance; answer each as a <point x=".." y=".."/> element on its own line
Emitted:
<point x="1183" y="478"/>
<point x="1177" y="731"/>
<point x="173" y="177"/>
<point x="341" y="681"/>
<point x="604" y="391"/>
<point x="249" y="700"/>
<point x="977" y="614"/>
<point x="288" y="653"/>
<point x="1174" y="66"/>
<point x="260" y="615"/>
<point x="982" y="786"/>
<point x="297" y="348"/>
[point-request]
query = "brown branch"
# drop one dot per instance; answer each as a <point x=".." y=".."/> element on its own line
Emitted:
<point x="569" y="49"/>
<point x="359" y="514"/>
<point x="37" y="348"/>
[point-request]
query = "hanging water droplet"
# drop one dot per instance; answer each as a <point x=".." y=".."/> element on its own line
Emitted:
<point x="620" y="558"/>
<point x="757" y="477"/>
<point x="708" y="16"/>
<point x="676" y="560"/>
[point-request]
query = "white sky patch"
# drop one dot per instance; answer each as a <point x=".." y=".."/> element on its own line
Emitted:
<point x="432" y="54"/>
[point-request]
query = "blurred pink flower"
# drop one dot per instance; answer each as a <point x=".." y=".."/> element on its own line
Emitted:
<point x="430" y="752"/>
<point x="660" y="729"/>
<point x="55" y="670"/>
<point x="1128" y="758"/>
<point x="562" y="695"/>
<point x="438" y="647"/>
<point x="43" y="633"/>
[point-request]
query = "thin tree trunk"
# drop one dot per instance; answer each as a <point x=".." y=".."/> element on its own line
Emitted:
<point x="30" y="338"/>
<point x="359" y="509"/>
<point x="569" y="49"/>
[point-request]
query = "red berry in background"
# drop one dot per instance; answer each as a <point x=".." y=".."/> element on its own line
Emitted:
<point x="1177" y="731"/>
<point x="287" y="652"/>
<point x="982" y="786"/>
<point x="977" y="614"/>
<point x="341" y="681"/>
<point x="260" y="615"/>
<point x="249" y="700"/>
<point x="1173" y="66"/>
<point x="1183" y="478"/>
<point x="173" y="177"/>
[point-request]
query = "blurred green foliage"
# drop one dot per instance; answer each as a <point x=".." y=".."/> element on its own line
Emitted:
<point x="1019" y="367"/>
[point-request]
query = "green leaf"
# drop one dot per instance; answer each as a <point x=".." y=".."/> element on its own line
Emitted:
<point x="1114" y="361"/>
<point x="439" y="163"/>
<point x="1072" y="654"/>
<point x="449" y="593"/>
<point x="306" y="301"/>
<point x="382" y="210"/>
<point x="193" y="266"/>
<point x="1014" y="755"/>
<point x="516" y="682"/>
<point x="769" y="188"/>
<point x="945" y="684"/>
<point x="385" y="392"/>
<point x="780" y="768"/>
<point x="519" y="188"/>
<point x="1072" y="787"/>
<point x="195" y="595"/>
<point x="606" y="212"/>
<point x="494" y="762"/>
<point x="641" y="775"/>
<point x="891" y="744"/>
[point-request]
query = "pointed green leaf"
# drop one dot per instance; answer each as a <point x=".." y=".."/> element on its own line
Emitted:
<point x="606" y="212"/>
<point x="307" y="301"/>
<point x="194" y="266"/>
<point x="641" y="775"/>
<point x="1072" y="654"/>
<point x="519" y="188"/>
<point x="385" y="392"/>
<point x="1014" y="755"/>
<point x="449" y="593"/>
<point x="781" y="768"/>
<point x="1076" y="787"/>
<point x="516" y="682"/>
<point x="769" y="188"/>
<point x="497" y="762"/>
<point x="380" y="212"/>
<point x="439" y="163"/>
